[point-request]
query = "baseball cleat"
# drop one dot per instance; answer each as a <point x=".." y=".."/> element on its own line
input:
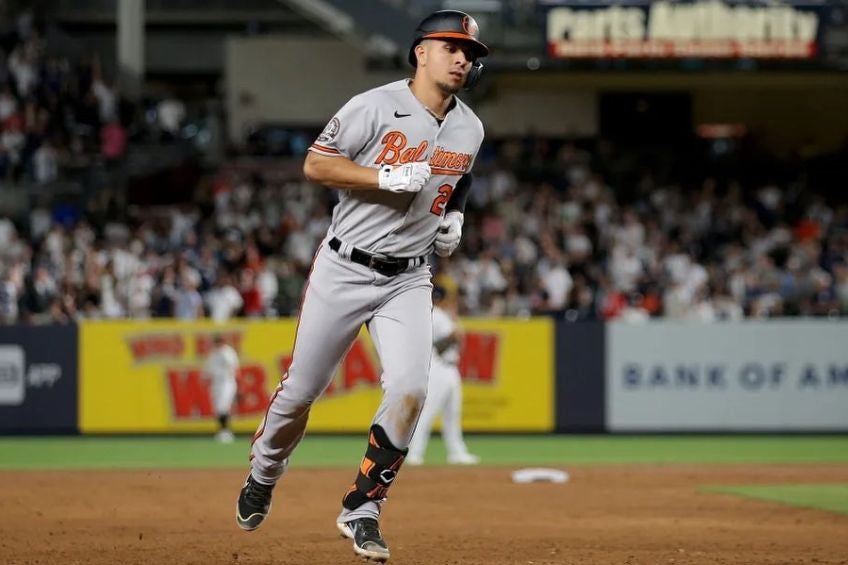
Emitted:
<point x="225" y="436"/>
<point x="367" y="538"/>
<point x="253" y="504"/>
<point x="413" y="460"/>
<point x="464" y="459"/>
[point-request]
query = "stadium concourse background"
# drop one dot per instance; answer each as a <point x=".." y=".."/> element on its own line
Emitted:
<point x="653" y="281"/>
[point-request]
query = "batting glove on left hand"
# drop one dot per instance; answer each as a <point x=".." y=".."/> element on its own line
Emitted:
<point x="410" y="177"/>
<point x="449" y="234"/>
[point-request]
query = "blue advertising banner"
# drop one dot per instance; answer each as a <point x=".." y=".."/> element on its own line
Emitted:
<point x="38" y="379"/>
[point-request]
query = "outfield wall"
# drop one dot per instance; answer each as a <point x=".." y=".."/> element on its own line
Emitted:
<point x="519" y="376"/>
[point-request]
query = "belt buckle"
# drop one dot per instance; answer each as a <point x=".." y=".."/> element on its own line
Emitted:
<point x="387" y="267"/>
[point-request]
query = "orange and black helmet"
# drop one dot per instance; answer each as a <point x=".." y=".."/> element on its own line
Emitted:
<point x="448" y="24"/>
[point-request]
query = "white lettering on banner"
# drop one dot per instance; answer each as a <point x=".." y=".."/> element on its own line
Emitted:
<point x="15" y="378"/>
<point x="709" y="28"/>
<point x="12" y="386"/>
<point x="776" y="375"/>
<point x="43" y="374"/>
<point x="613" y="23"/>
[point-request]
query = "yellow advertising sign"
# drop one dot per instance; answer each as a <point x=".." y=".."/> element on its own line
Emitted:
<point x="147" y="377"/>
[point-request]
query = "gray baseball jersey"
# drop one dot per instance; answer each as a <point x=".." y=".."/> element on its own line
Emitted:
<point x="389" y="125"/>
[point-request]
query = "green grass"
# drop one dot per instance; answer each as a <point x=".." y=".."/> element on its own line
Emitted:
<point x="820" y="496"/>
<point x="339" y="451"/>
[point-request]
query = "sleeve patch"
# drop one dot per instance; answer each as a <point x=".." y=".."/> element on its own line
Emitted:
<point x="330" y="131"/>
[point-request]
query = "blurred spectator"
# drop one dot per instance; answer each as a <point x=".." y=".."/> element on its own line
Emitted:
<point x="188" y="304"/>
<point x="170" y="114"/>
<point x="45" y="163"/>
<point x="223" y="300"/>
<point x="113" y="141"/>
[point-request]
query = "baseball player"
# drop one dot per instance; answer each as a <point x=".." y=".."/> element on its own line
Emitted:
<point x="220" y="371"/>
<point x="401" y="156"/>
<point x="444" y="390"/>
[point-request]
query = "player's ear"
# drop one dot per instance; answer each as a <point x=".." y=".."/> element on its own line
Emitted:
<point x="421" y="53"/>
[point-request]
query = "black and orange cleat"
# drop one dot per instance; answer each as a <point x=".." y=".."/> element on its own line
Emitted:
<point x="253" y="504"/>
<point x="367" y="538"/>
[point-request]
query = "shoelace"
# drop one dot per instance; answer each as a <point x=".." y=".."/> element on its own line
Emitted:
<point x="258" y="494"/>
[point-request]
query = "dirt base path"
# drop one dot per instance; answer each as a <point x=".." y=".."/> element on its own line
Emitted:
<point x="606" y="515"/>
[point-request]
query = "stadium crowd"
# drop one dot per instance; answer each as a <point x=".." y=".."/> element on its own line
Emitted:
<point x="582" y="230"/>
<point x="54" y="114"/>
<point x="577" y="230"/>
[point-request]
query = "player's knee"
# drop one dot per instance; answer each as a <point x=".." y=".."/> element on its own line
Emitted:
<point x="410" y="392"/>
<point x="304" y="387"/>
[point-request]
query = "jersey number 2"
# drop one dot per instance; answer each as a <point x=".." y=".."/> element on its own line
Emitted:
<point x="441" y="200"/>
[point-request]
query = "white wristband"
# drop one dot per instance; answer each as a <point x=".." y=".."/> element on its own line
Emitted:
<point x="383" y="177"/>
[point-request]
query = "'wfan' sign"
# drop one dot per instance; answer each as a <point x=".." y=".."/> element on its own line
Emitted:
<point x="710" y="29"/>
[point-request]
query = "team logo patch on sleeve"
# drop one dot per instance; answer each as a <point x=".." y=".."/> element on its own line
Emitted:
<point x="330" y="131"/>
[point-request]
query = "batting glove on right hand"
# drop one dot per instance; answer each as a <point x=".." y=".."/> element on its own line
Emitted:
<point x="410" y="177"/>
<point x="449" y="234"/>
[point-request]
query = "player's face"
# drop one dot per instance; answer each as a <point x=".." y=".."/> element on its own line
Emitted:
<point x="446" y="63"/>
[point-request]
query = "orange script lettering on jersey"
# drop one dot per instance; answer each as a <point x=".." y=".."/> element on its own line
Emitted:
<point x="449" y="162"/>
<point x="396" y="151"/>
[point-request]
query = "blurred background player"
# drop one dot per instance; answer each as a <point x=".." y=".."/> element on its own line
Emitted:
<point x="220" y="371"/>
<point x="444" y="390"/>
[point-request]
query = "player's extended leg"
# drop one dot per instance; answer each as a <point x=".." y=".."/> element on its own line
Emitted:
<point x="331" y="316"/>
<point x="223" y="396"/>
<point x="437" y="397"/>
<point x="402" y="332"/>
<point x="452" y="422"/>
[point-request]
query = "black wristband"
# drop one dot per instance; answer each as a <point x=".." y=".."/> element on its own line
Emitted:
<point x="460" y="194"/>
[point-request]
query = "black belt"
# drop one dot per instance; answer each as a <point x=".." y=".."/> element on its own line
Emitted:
<point x="388" y="266"/>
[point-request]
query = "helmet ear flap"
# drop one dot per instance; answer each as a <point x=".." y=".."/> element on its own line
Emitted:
<point x="473" y="75"/>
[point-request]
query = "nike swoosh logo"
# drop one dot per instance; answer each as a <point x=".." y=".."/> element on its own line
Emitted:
<point x="401" y="115"/>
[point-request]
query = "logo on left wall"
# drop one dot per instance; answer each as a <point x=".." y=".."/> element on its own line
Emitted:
<point x="15" y="378"/>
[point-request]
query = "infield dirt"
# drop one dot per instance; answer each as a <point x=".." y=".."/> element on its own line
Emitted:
<point x="636" y="514"/>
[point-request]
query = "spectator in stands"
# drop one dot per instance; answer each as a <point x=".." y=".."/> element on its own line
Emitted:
<point x="45" y="163"/>
<point x="113" y="141"/>
<point x="188" y="304"/>
<point x="170" y="113"/>
<point x="223" y="301"/>
<point x="10" y="289"/>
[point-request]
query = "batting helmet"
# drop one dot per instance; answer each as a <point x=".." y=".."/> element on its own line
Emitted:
<point x="452" y="24"/>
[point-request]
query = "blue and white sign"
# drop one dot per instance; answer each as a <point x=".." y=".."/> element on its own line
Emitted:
<point x="38" y="379"/>
<point x="749" y="376"/>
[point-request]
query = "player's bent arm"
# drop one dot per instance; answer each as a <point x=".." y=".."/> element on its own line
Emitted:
<point x="340" y="172"/>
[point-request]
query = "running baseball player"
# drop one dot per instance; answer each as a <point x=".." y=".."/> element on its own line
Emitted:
<point x="220" y="371"/>
<point x="444" y="390"/>
<point x="401" y="156"/>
